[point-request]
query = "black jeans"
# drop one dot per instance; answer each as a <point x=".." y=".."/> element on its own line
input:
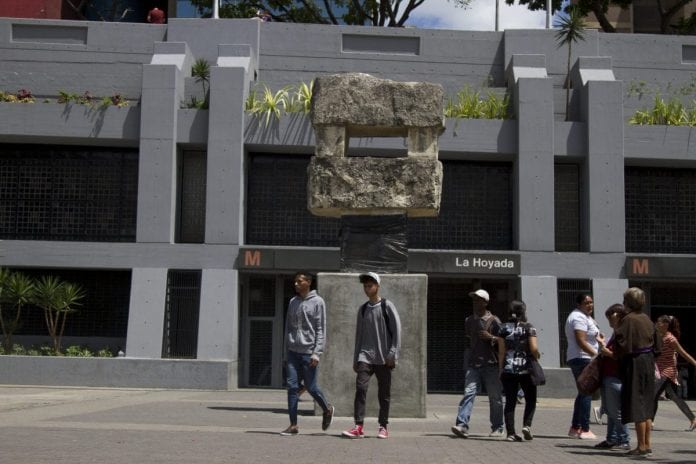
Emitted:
<point x="511" y="385"/>
<point x="362" y="381"/>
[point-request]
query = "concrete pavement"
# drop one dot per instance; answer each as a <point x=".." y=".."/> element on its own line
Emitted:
<point x="42" y="425"/>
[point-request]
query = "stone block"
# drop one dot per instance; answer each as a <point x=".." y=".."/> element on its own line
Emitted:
<point x="366" y="185"/>
<point x="369" y="106"/>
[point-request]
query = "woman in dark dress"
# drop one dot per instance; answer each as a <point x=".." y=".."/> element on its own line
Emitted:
<point x="635" y="347"/>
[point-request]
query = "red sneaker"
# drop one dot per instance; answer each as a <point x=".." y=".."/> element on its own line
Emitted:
<point x="383" y="433"/>
<point x="355" y="432"/>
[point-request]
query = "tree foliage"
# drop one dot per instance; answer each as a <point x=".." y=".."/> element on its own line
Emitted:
<point x="57" y="299"/>
<point x="571" y="29"/>
<point x="665" y="10"/>
<point x="392" y="13"/>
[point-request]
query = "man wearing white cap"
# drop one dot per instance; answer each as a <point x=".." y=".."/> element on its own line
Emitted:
<point x="377" y="345"/>
<point x="485" y="362"/>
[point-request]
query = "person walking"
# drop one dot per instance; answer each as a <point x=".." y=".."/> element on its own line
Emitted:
<point x="519" y="338"/>
<point x="483" y="367"/>
<point x="668" y="329"/>
<point x="617" y="432"/>
<point x="377" y="346"/>
<point x="636" y="344"/>
<point x="582" y="334"/>
<point x="305" y="338"/>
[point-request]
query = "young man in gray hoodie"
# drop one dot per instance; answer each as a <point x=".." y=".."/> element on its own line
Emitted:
<point x="305" y="336"/>
<point x="377" y="345"/>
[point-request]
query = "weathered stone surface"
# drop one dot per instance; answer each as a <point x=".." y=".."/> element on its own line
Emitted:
<point x="366" y="185"/>
<point x="369" y="106"/>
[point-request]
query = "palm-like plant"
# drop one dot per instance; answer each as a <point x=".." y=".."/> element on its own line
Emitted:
<point x="57" y="299"/>
<point x="571" y="29"/>
<point x="16" y="290"/>
<point x="200" y="71"/>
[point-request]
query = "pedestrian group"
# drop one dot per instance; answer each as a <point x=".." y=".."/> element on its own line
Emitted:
<point x="634" y="366"/>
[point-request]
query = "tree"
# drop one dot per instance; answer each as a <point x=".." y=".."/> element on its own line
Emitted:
<point x="57" y="299"/>
<point x="16" y="290"/>
<point x="392" y="13"/>
<point x="667" y="11"/>
<point x="571" y="29"/>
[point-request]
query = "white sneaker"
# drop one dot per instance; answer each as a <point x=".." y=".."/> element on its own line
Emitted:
<point x="497" y="433"/>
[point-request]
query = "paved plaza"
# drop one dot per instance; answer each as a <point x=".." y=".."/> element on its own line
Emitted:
<point x="136" y="426"/>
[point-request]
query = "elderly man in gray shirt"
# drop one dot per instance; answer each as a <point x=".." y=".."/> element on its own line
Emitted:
<point x="377" y="345"/>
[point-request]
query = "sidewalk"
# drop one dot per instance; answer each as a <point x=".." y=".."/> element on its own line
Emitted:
<point x="42" y="425"/>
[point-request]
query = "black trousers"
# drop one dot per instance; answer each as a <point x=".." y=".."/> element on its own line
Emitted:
<point x="362" y="381"/>
<point x="511" y="385"/>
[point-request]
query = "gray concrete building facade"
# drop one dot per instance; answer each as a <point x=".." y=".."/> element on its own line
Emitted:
<point x="186" y="225"/>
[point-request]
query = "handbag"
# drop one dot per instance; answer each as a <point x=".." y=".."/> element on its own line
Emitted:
<point x="536" y="373"/>
<point x="590" y="378"/>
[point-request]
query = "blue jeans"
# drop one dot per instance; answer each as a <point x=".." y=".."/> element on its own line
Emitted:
<point x="298" y="367"/>
<point x="583" y="403"/>
<point x="490" y="378"/>
<point x="617" y="433"/>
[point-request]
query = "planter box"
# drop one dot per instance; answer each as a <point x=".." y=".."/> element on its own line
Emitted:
<point x="675" y="143"/>
<point x="74" y="122"/>
<point x="118" y="372"/>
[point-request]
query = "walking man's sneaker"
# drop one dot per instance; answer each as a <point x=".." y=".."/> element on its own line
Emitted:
<point x="514" y="437"/>
<point x="355" y="432"/>
<point x="327" y="417"/>
<point x="461" y="431"/>
<point x="574" y="432"/>
<point x="291" y="431"/>
<point x="498" y="433"/>
<point x="527" y="433"/>
<point x="587" y="435"/>
<point x="383" y="433"/>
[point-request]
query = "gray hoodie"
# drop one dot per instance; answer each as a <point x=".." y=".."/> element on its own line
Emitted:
<point x="373" y="342"/>
<point x="305" y="324"/>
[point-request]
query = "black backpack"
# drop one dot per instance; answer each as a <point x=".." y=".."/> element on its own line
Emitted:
<point x="385" y="314"/>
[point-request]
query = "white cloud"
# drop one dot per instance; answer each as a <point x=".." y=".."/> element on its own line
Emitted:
<point x="478" y="16"/>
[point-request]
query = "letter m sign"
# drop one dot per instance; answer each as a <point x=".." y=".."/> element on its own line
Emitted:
<point x="639" y="266"/>
<point x="252" y="258"/>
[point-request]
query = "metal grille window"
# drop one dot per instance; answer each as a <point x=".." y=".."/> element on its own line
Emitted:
<point x="103" y="312"/>
<point x="567" y="207"/>
<point x="277" y="207"/>
<point x="475" y="211"/>
<point x="568" y="289"/>
<point x="191" y="193"/>
<point x="660" y="210"/>
<point x="68" y="193"/>
<point x="448" y="307"/>
<point x="180" y="338"/>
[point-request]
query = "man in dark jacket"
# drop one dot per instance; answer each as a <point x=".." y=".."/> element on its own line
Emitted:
<point x="377" y="345"/>
<point x="305" y="337"/>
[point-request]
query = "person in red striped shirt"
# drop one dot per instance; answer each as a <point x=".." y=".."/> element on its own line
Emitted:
<point x="668" y="328"/>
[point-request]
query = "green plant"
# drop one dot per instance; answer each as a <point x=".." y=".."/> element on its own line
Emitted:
<point x="301" y="99"/>
<point x="78" y="351"/>
<point x="571" y="29"/>
<point x="670" y="113"/>
<point x="57" y="299"/>
<point x="271" y="104"/>
<point x="200" y="71"/>
<point x="105" y="353"/>
<point x="22" y="96"/>
<point x="16" y="290"/>
<point x="468" y="104"/>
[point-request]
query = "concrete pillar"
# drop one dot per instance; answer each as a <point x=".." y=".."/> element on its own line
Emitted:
<point x="540" y="293"/>
<point x="162" y="94"/>
<point x="146" y="313"/>
<point x="602" y="110"/>
<point x="534" y="166"/>
<point x="218" y="318"/>
<point x="344" y="296"/>
<point x="229" y="87"/>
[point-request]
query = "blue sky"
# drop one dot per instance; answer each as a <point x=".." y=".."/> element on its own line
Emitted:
<point x="442" y="14"/>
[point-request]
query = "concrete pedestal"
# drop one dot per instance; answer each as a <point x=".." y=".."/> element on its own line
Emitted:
<point x="344" y="295"/>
